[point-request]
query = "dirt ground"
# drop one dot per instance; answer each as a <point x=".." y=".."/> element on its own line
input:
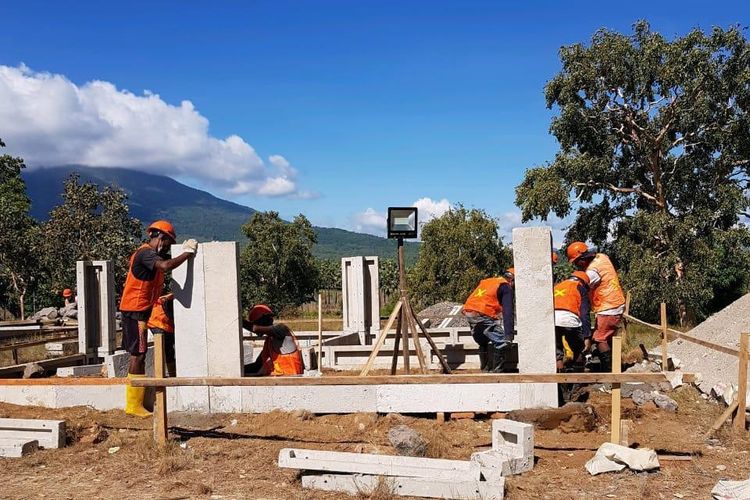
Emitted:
<point x="234" y="456"/>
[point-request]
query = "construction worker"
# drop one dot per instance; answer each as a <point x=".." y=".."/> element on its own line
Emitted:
<point x="143" y="286"/>
<point x="68" y="297"/>
<point x="572" y="322"/>
<point x="281" y="354"/>
<point x="161" y="322"/>
<point x="490" y="300"/>
<point x="607" y="299"/>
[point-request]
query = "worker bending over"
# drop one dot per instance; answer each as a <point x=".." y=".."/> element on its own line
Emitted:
<point x="607" y="299"/>
<point x="161" y="322"/>
<point x="281" y="354"/>
<point x="572" y="322"/>
<point x="489" y="311"/>
<point x="143" y="286"/>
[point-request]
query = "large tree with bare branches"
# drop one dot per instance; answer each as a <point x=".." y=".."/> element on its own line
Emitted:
<point x="655" y="161"/>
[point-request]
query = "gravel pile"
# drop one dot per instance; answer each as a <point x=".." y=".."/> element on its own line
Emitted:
<point x="438" y="312"/>
<point x="724" y="328"/>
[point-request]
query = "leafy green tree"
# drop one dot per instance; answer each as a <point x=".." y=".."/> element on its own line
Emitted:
<point x="329" y="274"/>
<point x="91" y="224"/>
<point x="655" y="159"/>
<point x="18" y="263"/>
<point x="277" y="266"/>
<point x="459" y="249"/>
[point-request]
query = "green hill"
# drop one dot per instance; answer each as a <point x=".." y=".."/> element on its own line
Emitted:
<point x="195" y="213"/>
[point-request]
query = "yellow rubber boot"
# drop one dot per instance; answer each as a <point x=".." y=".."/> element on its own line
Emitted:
<point x="134" y="399"/>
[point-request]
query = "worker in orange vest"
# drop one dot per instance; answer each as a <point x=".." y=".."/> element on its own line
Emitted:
<point x="161" y="322"/>
<point x="572" y="322"/>
<point x="607" y="299"/>
<point x="281" y="354"/>
<point x="489" y="311"/>
<point x="143" y="286"/>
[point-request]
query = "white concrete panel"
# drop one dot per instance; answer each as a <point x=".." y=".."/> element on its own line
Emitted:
<point x="80" y="371"/>
<point x="532" y="250"/>
<point x="225" y="399"/>
<point x="17" y="448"/>
<point x="28" y="396"/>
<point x="102" y="397"/>
<point x="49" y="433"/>
<point x="447" y="397"/>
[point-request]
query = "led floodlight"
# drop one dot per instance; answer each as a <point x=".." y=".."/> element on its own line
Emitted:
<point x="402" y="222"/>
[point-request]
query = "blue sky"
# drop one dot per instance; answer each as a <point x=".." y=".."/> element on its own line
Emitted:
<point x="370" y="104"/>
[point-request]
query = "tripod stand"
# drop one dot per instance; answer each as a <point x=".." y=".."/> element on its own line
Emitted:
<point x="407" y="324"/>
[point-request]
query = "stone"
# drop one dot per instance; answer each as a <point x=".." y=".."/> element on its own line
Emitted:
<point x="46" y="313"/>
<point x="665" y="402"/>
<point x="33" y="370"/>
<point x="640" y="397"/>
<point x="407" y="441"/>
<point x="49" y="433"/>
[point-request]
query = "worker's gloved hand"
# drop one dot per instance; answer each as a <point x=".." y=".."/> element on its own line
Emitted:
<point x="190" y="246"/>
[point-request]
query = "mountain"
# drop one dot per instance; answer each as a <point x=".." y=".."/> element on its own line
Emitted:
<point x="195" y="213"/>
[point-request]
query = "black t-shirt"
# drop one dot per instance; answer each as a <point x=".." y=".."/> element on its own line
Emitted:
<point x="144" y="264"/>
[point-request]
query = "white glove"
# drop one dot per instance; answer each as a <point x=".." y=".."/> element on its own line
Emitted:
<point x="190" y="246"/>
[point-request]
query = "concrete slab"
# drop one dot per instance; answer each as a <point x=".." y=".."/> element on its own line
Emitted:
<point x="446" y="398"/>
<point x="385" y="465"/>
<point x="17" y="448"/>
<point x="49" y="433"/>
<point x="359" y="484"/>
<point x="81" y="371"/>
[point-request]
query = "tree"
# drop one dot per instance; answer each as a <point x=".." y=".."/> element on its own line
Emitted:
<point x="17" y="259"/>
<point x="277" y="266"/>
<point x="655" y="157"/>
<point x="329" y="274"/>
<point x="91" y="224"/>
<point x="458" y="249"/>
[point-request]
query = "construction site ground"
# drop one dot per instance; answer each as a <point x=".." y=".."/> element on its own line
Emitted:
<point x="111" y="454"/>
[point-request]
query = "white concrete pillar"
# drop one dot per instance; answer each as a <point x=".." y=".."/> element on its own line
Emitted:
<point x="535" y="312"/>
<point x="95" y="285"/>
<point x="360" y="287"/>
<point x="107" y="326"/>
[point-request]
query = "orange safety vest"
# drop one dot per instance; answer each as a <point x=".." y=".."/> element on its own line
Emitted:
<point x="276" y="363"/>
<point x="567" y="297"/>
<point x="159" y="318"/>
<point x="140" y="295"/>
<point x="607" y="294"/>
<point x="483" y="299"/>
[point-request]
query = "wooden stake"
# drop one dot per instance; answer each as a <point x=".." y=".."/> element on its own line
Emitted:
<point x="412" y="321"/>
<point x="160" y="402"/>
<point x="616" y="368"/>
<point x="723" y="418"/>
<point x="394" y="359"/>
<point x="435" y="350"/>
<point x="381" y="339"/>
<point x="664" y="357"/>
<point x="739" y="419"/>
<point x="625" y="319"/>
<point x="320" y="333"/>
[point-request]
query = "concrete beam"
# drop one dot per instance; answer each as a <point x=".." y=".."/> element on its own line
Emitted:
<point x="17" y="448"/>
<point x="49" y="433"/>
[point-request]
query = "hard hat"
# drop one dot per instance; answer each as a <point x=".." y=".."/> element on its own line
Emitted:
<point x="258" y="311"/>
<point x="554" y="257"/>
<point x="581" y="275"/>
<point x="164" y="227"/>
<point x="67" y="293"/>
<point x="511" y="271"/>
<point x="575" y="250"/>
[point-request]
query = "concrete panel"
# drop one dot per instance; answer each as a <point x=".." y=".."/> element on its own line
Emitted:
<point x="447" y="397"/>
<point x="117" y="364"/>
<point x="225" y="399"/>
<point x="532" y="250"/>
<point x="81" y="371"/>
<point x="28" y="396"/>
<point x="49" y="433"/>
<point x="352" y="294"/>
<point x="105" y="397"/>
<point x="315" y="399"/>
<point x="107" y="324"/>
<point x="17" y="448"/>
<point x="359" y="484"/>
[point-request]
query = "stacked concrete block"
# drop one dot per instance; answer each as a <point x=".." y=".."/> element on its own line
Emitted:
<point x="62" y="348"/>
<point x="208" y="323"/>
<point x="512" y="450"/>
<point x="96" y="308"/>
<point x="535" y="312"/>
<point x="360" y="287"/>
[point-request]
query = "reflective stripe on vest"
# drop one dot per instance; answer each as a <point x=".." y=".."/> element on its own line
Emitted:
<point x="276" y="363"/>
<point x="159" y="318"/>
<point x="567" y="297"/>
<point x="483" y="299"/>
<point x="140" y="295"/>
<point x="607" y="294"/>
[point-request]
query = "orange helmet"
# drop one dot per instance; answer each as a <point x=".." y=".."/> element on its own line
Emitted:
<point x="67" y="293"/>
<point x="581" y="275"/>
<point x="258" y="311"/>
<point x="164" y="227"/>
<point x="575" y="250"/>
<point x="554" y="258"/>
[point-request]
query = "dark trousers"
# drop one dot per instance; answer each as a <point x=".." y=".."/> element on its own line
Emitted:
<point x="574" y="338"/>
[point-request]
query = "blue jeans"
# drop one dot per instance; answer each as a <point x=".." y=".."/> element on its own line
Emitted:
<point x="485" y="330"/>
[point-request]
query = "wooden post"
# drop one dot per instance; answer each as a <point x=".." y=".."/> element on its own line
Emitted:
<point x="739" y="419"/>
<point x="320" y="333"/>
<point x="664" y="357"/>
<point x="625" y="319"/>
<point x="160" y="402"/>
<point x="381" y="339"/>
<point x="616" y="368"/>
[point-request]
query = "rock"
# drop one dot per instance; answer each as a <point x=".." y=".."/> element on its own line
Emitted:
<point x="572" y="417"/>
<point x="627" y="389"/>
<point x="407" y="441"/>
<point x="33" y="370"/>
<point x="95" y="435"/>
<point x="46" y="313"/>
<point x="665" y="402"/>
<point x="640" y="397"/>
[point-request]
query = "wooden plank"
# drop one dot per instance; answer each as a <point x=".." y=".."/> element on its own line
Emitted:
<point x="616" y="396"/>
<point x="739" y="419"/>
<point x="381" y="340"/>
<point x="435" y="350"/>
<point x="320" y="333"/>
<point x="72" y="360"/>
<point x="664" y="357"/>
<point x="394" y="358"/>
<point x="675" y="334"/>
<point x="65" y="381"/>
<point x="160" y="399"/>
<point x="412" y="322"/>
<point x="488" y="378"/>
<point x="722" y="418"/>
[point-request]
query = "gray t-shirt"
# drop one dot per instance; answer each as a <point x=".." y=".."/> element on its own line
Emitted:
<point x="282" y="340"/>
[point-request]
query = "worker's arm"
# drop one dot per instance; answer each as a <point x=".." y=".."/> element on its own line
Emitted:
<point x="169" y="264"/>
<point x="585" y="312"/>
<point x="276" y="331"/>
<point x="505" y="297"/>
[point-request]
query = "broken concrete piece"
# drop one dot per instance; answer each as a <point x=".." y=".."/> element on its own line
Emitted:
<point x="665" y="402"/>
<point x="80" y="371"/>
<point x="407" y="441"/>
<point x="17" y="448"/>
<point x="614" y="457"/>
<point x="358" y="484"/>
<point x="49" y="433"/>
<point x="731" y="490"/>
<point x="33" y="370"/>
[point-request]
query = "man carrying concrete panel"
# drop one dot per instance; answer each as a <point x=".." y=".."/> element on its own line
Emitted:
<point x="143" y="286"/>
<point x="281" y="354"/>
<point x="607" y="299"/>
<point x="572" y="322"/>
<point x="490" y="300"/>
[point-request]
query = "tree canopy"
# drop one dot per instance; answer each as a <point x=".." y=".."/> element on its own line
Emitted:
<point x="654" y="159"/>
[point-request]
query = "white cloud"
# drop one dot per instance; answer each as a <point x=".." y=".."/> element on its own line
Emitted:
<point x="430" y="209"/>
<point x="508" y="220"/>
<point x="373" y="222"/>
<point x="49" y="121"/>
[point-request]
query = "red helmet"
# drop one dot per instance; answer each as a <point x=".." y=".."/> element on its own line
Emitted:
<point x="164" y="227"/>
<point x="575" y="250"/>
<point x="554" y="258"/>
<point x="258" y="311"/>
<point x="510" y="272"/>
<point x="581" y="275"/>
<point x="67" y="293"/>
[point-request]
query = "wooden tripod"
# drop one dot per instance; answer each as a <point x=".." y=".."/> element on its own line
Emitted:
<point x="407" y="325"/>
